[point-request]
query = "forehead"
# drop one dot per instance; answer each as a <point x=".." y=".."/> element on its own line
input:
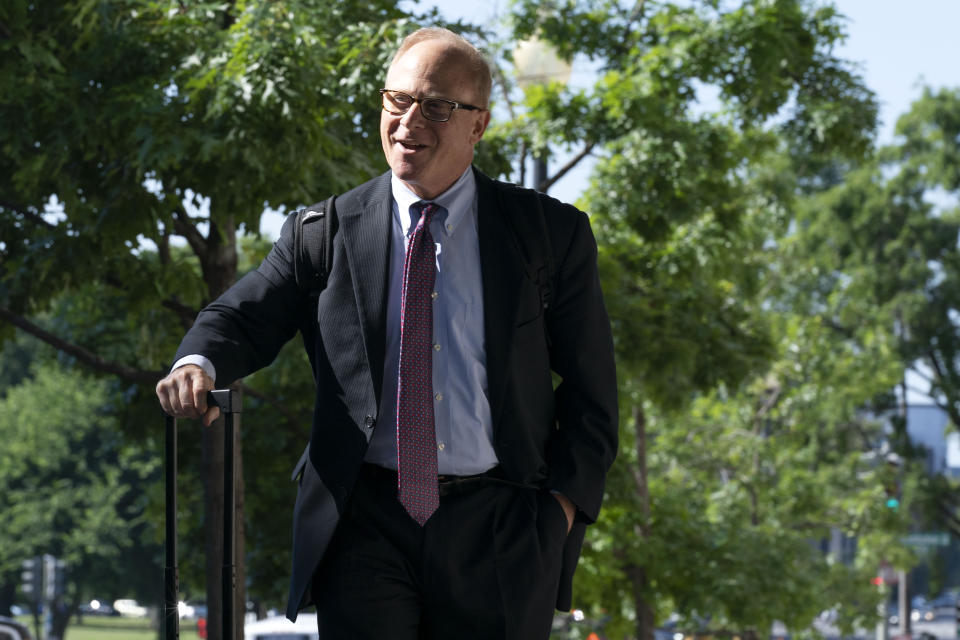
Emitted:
<point x="431" y="68"/>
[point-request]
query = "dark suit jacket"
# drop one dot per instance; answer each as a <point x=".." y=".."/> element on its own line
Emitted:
<point x="563" y="439"/>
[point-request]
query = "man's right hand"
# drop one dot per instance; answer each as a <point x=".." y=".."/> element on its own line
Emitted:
<point x="183" y="394"/>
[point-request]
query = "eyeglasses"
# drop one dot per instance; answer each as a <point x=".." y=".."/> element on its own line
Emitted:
<point x="437" y="109"/>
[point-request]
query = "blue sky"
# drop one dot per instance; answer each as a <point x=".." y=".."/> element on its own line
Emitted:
<point x="903" y="46"/>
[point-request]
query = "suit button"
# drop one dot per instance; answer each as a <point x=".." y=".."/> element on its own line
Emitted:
<point x="369" y="422"/>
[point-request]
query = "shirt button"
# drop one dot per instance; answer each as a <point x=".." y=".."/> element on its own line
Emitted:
<point x="434" y="295"/>
<point x="438" y="396"/>
<point x="369" y="421"/>
<point x="440" y="446"/>
<point x="436" y="347"/>
<point x="449" y="227"/>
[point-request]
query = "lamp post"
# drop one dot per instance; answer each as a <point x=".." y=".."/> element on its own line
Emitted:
<point x="536" y="62"/>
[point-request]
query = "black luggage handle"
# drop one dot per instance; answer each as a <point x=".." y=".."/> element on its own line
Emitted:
<point x="229" y="401"/>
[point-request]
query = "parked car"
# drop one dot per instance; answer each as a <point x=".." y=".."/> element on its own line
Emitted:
<point x="10" y="629"/>
<point x="945" y="607"/>
<point x="129" y="608"/>
<point x="279" y="628"/>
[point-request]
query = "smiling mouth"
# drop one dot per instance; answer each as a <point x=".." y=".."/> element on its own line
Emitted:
<point x="412" y="146"/>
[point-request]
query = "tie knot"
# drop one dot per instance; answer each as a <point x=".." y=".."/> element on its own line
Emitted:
<point x="426" y="210"/>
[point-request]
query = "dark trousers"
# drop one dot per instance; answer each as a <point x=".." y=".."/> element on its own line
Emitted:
<point x="485" y="566"/>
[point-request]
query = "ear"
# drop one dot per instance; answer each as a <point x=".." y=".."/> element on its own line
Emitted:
<point x="479" y="126"/>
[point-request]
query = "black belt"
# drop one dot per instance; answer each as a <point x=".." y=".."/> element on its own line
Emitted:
<point x="449" y="485"/>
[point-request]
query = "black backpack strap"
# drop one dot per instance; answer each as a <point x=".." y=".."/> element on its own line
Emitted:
<point x="313" y="246"/>
<point x="524" y="213"/>
<point x="313" y="233"/>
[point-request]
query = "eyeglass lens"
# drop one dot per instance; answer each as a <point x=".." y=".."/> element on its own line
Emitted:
<point x="432" y="108"/>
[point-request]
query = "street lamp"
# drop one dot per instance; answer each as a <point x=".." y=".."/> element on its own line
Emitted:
<point x="536" y="62"/>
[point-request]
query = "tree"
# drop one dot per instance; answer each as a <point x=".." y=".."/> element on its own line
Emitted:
<point x="886" y="237"/>
<point x="745" y="487"/>
<point x="132" y="114"/>
<point x="71" y="487"/>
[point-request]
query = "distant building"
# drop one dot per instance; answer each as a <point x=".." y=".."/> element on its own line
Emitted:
<point x="927" y="426"/>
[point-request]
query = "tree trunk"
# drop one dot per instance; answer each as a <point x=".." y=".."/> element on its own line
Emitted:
<point x="61" y="618"/>
<point x="645" y="619"/>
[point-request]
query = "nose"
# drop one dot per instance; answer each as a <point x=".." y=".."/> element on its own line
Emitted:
<point x="413" y="116"/>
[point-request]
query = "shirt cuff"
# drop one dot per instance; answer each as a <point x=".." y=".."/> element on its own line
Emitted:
<point x="201" y="361"/>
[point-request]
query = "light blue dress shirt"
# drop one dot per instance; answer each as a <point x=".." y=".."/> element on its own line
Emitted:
<point x="461" y="404"/>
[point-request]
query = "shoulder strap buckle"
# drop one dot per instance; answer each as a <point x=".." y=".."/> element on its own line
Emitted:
<point x="313" y="246"/>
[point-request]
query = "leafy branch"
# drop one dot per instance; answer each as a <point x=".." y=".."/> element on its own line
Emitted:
<point x="85" y="356"/>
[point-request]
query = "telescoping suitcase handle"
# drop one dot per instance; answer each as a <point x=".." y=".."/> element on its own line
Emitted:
<point x="229" y="402"/>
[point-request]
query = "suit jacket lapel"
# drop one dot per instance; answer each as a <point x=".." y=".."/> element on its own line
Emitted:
<point x="502" y="269"/>
<point x="365" y="222"/>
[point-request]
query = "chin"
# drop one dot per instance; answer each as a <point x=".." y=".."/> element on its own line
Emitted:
<point x="405" y="173"/>
<point x="406" y="170"/>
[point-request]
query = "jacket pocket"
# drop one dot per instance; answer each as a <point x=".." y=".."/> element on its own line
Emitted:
<point x="551" y="520"/>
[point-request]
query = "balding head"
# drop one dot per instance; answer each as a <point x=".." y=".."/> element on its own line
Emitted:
<point x="472" y="60"/>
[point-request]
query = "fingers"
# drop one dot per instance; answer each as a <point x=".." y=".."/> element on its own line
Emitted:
<point x="183" y="393"/>
<point x="211" y="414"/>
<point x="192" y="395"/>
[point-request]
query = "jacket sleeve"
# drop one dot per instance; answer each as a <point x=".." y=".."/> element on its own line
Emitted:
<point x="245" y="328"/>
<point x="581" y="353"/>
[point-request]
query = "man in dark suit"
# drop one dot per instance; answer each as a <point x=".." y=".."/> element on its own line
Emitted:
<point x="449" y="478"/>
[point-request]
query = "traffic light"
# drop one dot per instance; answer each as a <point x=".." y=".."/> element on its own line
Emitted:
<point x="892" y="482"/>
<point x="892" y="491"/>
<point x="31" y="579"/>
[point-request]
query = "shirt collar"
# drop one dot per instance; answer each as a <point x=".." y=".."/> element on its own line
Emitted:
<point x="457" y="200"/>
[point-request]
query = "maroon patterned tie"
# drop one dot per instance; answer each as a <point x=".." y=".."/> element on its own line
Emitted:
<point x="416" y="434"/>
